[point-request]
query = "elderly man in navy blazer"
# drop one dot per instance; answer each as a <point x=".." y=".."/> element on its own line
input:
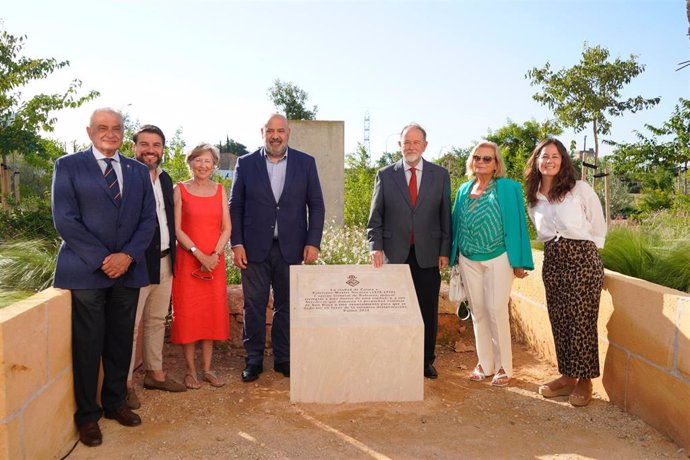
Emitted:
<point x="277" y="213"/>
<point x="409" y="223"/>
<point x="104" y="210"/>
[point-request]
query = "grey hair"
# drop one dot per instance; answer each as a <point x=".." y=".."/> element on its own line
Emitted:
<point x="201" y="148"/>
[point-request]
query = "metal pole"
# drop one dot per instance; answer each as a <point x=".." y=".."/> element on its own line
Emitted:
<point x="607" y="197"/>
<point x="582" y="160"/>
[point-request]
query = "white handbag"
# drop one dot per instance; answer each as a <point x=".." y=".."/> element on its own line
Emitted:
<point x="456" y="292"/>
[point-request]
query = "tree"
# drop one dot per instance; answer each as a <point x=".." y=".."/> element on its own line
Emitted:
<point x="231" y="146"/>
<point x="651" y="156"/>
<point x="589" y="92"/>
<point x="455" y="160"/>
<point x="518" y="141"/>
<point x="678" y="127"/>
<point x="22" y="120"/>
<point x="632" y="162"/>
<point x="388" y="158"/>
<point x="358" y="159"/>
<point x="359" y="187"/>
<point x="291" y="100"/>
<point x="174" y="158"/>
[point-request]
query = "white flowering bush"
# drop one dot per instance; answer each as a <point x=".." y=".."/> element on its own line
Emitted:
<point x="339" y="246"/>
<point x="343" y="245"/>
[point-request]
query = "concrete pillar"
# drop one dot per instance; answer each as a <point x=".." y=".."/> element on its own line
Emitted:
<point x="325" y="141"/>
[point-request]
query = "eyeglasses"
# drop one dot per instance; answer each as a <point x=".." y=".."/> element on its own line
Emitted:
<point x="486" y="159"/>
<point x="206" y="276"/>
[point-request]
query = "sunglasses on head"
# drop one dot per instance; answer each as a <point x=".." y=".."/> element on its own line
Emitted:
<point x="485" y="159"/>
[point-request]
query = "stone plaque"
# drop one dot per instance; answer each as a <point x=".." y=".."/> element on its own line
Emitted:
<point x="356" y="334"/>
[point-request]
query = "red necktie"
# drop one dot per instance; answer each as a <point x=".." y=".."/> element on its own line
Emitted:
<point x="413" y="186"/>
<point x="413" y="195"/>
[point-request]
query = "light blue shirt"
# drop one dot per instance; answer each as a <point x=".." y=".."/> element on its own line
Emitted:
<point x="276" y="175"/>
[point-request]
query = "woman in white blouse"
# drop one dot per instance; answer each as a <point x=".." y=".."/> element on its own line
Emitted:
<point x="568" y="217"/>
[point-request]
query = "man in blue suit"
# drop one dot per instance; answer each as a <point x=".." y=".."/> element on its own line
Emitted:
<point x="277" y="213"/>
<point x="104" y="210"/>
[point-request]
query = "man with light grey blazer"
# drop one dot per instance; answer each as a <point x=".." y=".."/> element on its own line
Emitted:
<point x="409" y="223"/>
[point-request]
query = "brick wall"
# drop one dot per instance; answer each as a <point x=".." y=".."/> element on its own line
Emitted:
<point x="644" y="345"/>
<point x="36" y="396"/>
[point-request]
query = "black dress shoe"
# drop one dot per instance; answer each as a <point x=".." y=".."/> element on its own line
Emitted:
<point x="124" y="416"/>
<point x="283" y="368"/>
<point x="430" y="371"/>
<point x="90" y="434"/>
<point x="251" y="372"/>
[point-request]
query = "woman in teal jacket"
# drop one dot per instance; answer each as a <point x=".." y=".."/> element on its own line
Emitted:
<point x="491" y="242"/>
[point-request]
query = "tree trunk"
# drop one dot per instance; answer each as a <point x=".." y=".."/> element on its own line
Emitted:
<point x="596" y="143"/>
<point x="4" y="184"/>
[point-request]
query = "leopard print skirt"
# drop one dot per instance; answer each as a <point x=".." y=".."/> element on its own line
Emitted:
<point x="573" y="276"/>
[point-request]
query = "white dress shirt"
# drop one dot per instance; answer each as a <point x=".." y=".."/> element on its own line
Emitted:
<point x="160" y="211"/>
<point x="117" y="167"/>
<point x="578" y="217"/>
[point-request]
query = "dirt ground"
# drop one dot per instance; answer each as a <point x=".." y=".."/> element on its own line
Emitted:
<point x="456" y="419"/>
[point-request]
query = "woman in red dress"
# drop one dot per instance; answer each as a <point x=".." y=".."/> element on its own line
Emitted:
<point x="199" y="295"/>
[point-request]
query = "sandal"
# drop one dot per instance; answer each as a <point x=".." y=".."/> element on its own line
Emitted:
<point x="212" y="378"/>
<point x="501" y="379"/>
<point x="556" y="388"/>
<point x="579" y="399"/>
<point x="191" y="382"/>
<point x="477" y="374"/>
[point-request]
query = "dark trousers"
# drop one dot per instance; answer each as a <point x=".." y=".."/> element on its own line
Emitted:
<point x="102" y="328"/>
<point x="427" y="284"/>
<point x="257" y="280"/>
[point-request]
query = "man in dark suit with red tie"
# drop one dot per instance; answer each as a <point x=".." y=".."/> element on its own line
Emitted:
<point x="104" y="210"/>
<point x="277" y="213"/>
<point x="409" y="223"/>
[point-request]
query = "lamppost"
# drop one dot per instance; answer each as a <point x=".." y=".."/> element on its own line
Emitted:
<point x="388" y="137"/>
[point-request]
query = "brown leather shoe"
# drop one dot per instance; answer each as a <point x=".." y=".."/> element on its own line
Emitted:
<point x="124" y="416"/>
<point x="169" y="384"/>
<point x="90" y="434"/>
<point x="132" y="400"/>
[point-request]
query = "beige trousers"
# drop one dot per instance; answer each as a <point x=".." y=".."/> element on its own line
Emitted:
<point x="488" y="284"/>
<point x="154" y="301"/>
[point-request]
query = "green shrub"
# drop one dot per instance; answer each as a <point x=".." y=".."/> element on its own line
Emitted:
<point x="232" y="273"/>
<point x="7" y="298"/>
<point x="628" y="251"/>
<point x="30" y="219"/>
<point x="657" y="250"/>
<point x="655" y="200"/>
<point x="26" y="267"/>
<point x="673" y="268"/>
<point x="359" y="188"/>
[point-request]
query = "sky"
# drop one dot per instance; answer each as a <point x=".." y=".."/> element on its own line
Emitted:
<point x="456" y="67"/>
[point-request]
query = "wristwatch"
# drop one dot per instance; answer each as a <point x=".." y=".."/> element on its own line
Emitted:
<point x="192" y="249"/>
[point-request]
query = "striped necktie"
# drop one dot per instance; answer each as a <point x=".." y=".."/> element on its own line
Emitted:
<point x="111" y="180"/>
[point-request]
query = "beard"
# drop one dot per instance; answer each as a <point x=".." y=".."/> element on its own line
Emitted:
<point x="412" y="157"/>
<point x="142" y="159"/>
